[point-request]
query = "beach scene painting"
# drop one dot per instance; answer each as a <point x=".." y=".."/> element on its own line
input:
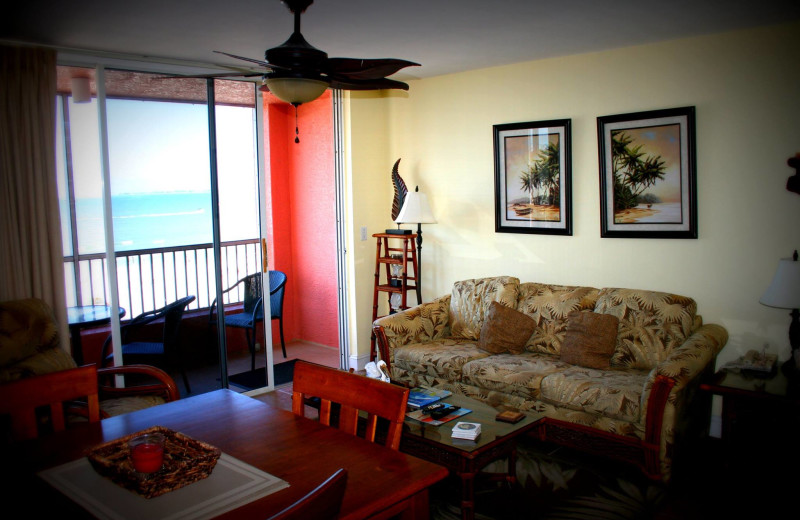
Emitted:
<point x="647" y="174"/>
<point x="532" y="177"/>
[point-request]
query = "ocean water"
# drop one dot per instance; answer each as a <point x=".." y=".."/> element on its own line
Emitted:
<point x="155" y="220"/>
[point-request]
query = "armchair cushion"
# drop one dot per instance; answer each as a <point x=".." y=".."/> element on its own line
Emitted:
<point x="505" y="330"/>
<point x="590" y="339"/>
<point x="27" y="327"/>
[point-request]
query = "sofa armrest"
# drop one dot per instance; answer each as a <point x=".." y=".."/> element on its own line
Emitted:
<point x="685" y="363"/>
<point x="671" y="384"/>
<point x="425" y="322"/>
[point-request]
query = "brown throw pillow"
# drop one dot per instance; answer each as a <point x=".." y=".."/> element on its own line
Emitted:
<point x="505" y="329"/>
<point x="590" y="339"/>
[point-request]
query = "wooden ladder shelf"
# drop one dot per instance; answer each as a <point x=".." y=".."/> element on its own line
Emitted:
<point x="404" y="255"/>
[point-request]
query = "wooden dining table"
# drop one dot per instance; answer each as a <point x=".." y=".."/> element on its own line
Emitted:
<point x="299" y="450"/>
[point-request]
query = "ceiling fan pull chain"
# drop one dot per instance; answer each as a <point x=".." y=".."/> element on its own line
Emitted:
<point x="296" y="128"/>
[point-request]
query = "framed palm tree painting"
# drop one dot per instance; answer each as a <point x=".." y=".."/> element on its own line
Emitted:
<point x="533" y="177"/>
<point x="648" y="187"/>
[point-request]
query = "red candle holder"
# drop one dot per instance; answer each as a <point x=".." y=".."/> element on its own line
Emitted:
<point x="147" y="452"/>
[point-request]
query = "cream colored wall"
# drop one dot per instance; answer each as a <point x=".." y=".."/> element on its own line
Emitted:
<point x="744" y="86"/>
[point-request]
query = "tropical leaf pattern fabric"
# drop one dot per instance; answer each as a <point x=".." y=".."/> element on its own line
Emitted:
<point x="420" y="324"/>
<point x="549" y="305"/>
<point x="660" y="334"/>
<point x="652" y="324"/>
<point x="470" y="301"/>
<point x="442" y="358"/>
<point x="29" y="341"/>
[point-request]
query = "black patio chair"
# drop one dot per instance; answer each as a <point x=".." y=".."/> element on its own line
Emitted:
<point x="253" y="308"/>
<point x="163" y="352"/>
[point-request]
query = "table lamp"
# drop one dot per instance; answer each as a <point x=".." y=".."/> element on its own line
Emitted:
<point x="784" y="293"/>
<point x="416" y="211"/>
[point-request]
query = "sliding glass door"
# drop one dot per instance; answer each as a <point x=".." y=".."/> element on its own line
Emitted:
<point x="171" y="167"/>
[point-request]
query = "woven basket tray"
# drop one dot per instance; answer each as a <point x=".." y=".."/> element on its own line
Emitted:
<point x="186" y="460"/>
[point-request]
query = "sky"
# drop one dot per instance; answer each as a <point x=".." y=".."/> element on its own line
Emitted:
<point x="159" y="146"/>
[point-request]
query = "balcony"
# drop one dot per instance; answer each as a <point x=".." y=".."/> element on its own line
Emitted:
<point x="150" y="278"/>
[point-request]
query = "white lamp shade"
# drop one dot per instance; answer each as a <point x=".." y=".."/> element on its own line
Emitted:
<point x="784" y="291"/>
<point x="80" y="90"/>
<point x="415" y="210"/>
<point x="296" y="90"/>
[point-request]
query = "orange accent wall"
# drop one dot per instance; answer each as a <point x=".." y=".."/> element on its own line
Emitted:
<point x="301" y="216"/>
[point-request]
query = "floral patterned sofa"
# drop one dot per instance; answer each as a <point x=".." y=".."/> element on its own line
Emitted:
<point x="634" y="408"/>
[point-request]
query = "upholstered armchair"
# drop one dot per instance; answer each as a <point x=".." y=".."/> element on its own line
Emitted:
<point x="30" y="345"/>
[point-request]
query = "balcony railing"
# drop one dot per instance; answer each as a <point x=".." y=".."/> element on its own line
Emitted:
<point x="151" y="278"/>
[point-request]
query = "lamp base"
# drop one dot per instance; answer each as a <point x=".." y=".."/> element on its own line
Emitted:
<point x="398" y="231"/>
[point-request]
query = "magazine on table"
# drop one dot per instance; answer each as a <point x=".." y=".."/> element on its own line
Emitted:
<point x="420" y="396"/>
<point x="425" y="417"/>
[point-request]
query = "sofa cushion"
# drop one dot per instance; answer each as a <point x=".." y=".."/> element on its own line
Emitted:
<point x="505" y="330"/>
<point x="549" y="306"/>
<point x="470" y="300"/>
<point x="651" y="325"/>
<point x="518" y="375"/>
<point x="441" y="359"/>
<point x="590" y="339"/>
<point x="610" y="393"/>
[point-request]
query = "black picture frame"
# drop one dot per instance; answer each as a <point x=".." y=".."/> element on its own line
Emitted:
<point x="648" y="182"/>
<point x="533" y="177"/>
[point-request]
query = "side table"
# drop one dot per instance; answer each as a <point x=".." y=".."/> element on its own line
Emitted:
<point x="760" y="416"/>
<point x="466" y="459"/>
<point x="83" y="317"/>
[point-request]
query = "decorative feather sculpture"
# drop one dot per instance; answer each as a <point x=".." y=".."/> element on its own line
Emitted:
<point x="400" y="191"/>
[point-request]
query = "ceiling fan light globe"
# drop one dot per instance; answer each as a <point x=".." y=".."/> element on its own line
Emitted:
<point x="296" y="90"/>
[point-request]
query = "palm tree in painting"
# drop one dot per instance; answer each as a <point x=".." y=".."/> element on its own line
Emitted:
<point x="530" y="182"/>
<point x="543" y="175"/>
<point x="633" y="171"/>
<point x="550" y="172"/>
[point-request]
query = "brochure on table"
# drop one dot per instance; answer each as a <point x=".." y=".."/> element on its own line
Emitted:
<point x="420" y="396"/>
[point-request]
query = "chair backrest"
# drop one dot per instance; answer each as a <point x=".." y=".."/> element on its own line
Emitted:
<point x="353" y="393"/>
<point x="20" y="399"/>
<point x="322" y="503"/>
<point x="173" y="314"/>
<point x="277" y="288"/>
<point x="252" y="292"/>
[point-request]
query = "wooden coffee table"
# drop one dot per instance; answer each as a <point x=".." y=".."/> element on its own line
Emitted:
<point x="498" y="440"/>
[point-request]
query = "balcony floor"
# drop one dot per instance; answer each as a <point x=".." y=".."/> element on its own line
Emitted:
<point x="205" y="378"/>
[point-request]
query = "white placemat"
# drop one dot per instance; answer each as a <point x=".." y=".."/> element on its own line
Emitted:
<point x="231" y="484"/>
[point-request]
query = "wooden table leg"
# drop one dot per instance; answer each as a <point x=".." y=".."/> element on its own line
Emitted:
<point x="419" y="507"/>
<point x="511" y="477"/>
<point x="467" y="495"/>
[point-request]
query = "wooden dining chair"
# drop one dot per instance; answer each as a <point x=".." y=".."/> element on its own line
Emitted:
<point x="20" y="399"/>
<point x="353" y="393"/>
<point x="322" y="503"/>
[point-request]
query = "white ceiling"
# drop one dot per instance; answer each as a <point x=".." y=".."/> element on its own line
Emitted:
<point x="444" y="36"/>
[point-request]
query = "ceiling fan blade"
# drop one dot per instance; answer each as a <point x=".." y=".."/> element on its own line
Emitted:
<point x="364" y="69"/>
<point x="368" y="84"/>
<point x="216" y="75"/>
<point x="253" y="60"/>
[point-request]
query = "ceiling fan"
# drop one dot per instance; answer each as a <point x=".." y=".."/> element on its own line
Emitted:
<point x="297" y="72"/>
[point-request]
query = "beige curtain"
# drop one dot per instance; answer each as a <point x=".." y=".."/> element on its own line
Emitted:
<point x="31" y="254"/>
